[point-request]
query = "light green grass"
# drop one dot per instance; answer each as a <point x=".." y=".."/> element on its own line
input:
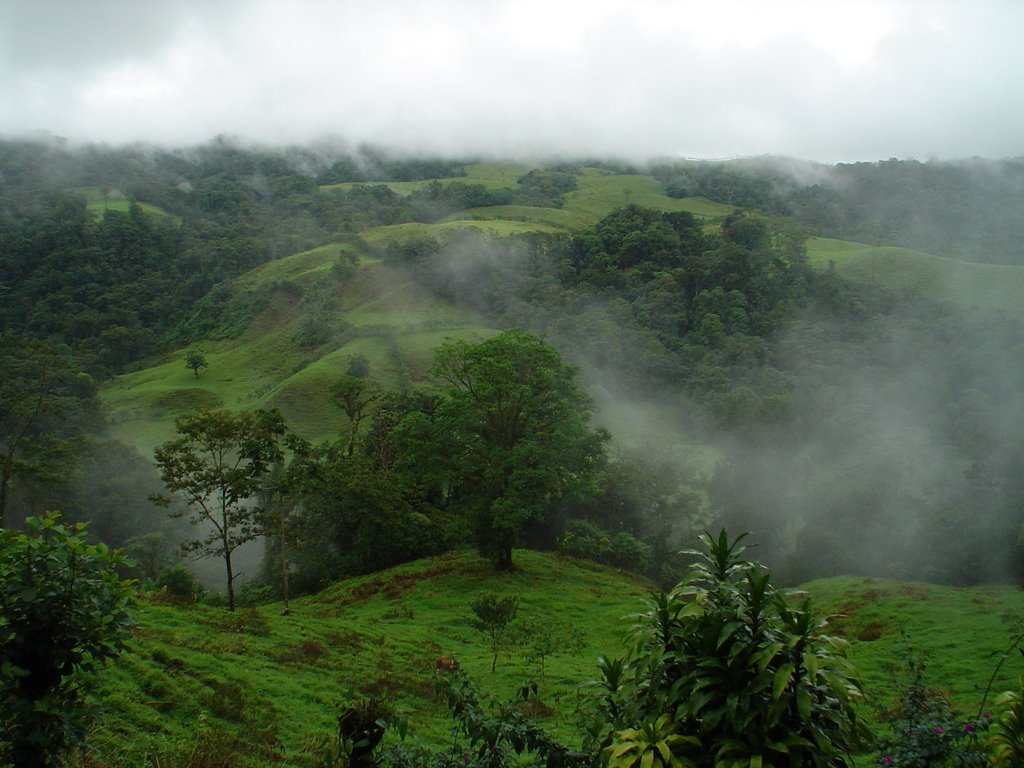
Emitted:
<point x="962" y="631"/>
<point x="263" y="367"/>
<point x="965" y="284"/>
<point x="115" y="201"/>
<point x="303" y="268"/>
<point x="491" y="175"/>
<point x="544" y="219"/>
<point x="600" y="192"/>
<point x="373" y="636"/>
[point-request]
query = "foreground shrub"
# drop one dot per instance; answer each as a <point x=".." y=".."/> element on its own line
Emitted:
<point x="924" y="730"/>
<point x="725" y="670"/>
<point x="63" y="613"/>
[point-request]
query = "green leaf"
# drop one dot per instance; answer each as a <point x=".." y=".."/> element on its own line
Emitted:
<point x="781" y="680"/>
<point x="803" y="703"/>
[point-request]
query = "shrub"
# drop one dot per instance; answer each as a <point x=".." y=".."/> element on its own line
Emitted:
<point x="63" y="613"/>
<point x="924" y="731"/>
<point x="733" y="667"/>
<point x="179" y="582"/>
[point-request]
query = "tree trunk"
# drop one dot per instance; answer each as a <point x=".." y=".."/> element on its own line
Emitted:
<point x="231" y="581"/>
<point x="283" y="561"/>
<point x="504" y="559"/>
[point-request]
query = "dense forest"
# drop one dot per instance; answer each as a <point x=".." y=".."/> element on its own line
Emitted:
<point x="856" y="428"/>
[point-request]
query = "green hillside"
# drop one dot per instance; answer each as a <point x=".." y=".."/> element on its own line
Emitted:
<point x="395" y="323"/>
<point x="392" y="321"/>
<point x="279" y="679"/>
<point x="966" y="284"/>
<point x="98" y="201"/>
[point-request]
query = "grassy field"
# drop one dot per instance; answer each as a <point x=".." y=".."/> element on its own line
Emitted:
<point x="97" y="203"/>
<point x="279" y="679"/>
<point x="491" y="175"/>
<point x="966" y="284"/>
<point x="389" y="319"/>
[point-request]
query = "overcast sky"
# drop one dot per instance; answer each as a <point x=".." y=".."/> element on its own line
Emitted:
<point x="829" y="80"/>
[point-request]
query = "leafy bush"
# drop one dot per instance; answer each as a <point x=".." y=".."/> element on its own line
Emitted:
<point x="925" y="733"/>
<point x="586" y="540"/>
<point x="1006" y="744"/>
<point x="179" y="583"/>
<point x="63" y="613"/>
<point x="730" y="665"/>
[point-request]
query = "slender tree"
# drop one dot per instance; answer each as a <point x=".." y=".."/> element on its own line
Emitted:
<point x="354" y="395"/>
<point x="216" y="467"/>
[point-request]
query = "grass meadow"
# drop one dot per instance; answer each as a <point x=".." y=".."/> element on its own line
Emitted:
<point x="279" y="680"/>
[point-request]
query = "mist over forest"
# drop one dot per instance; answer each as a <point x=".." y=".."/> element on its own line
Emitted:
<point x="852" y="426"/>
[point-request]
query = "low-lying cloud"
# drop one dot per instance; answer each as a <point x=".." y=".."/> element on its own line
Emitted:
<point x="822" y="80"/>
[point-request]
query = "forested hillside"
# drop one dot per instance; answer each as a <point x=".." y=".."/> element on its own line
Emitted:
<point x="299" y="366"/>
<point x="742" y="381"/>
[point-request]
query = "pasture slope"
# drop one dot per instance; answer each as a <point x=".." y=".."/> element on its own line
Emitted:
<point x="379" y="313"/>
<point x="270" y="685"/>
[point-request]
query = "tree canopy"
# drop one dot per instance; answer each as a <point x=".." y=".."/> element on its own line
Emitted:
<point x="509" y="439"/>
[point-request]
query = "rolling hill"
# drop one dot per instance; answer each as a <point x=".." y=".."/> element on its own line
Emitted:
<point x="268" y="685"/>
<point x="379" y="313"/>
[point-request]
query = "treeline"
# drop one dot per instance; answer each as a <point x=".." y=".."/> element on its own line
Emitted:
<point x="968" y="209"/>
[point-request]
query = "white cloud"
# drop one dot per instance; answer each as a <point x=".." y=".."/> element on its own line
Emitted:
<point x="823" y="79"/>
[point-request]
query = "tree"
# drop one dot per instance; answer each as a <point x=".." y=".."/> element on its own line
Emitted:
<point x="493" y="616"/>
<point x="510" y="436"/>
<point x="350" y="516"/>
<point x="353" y="395"/>
<point x="195" y="361"/>
<point x="216" y="466"/>
<point x="45" y="407"/>
<point x="737" y="669"/>
<point x="538" y="638"/>
<point x="63" y="613"/>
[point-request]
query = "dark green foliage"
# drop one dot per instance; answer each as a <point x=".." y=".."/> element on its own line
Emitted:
<point x="741" y="672"/>
<point x="351" y="517"/>
<point x="509" y="439"/>
<point x="358" y="365"/>
<point x="967" y="209"/>
<point x="195" y="361"/>
<point x="63" y="613"/>
<point x="46" y="406"/>
<point x="354" y="396"/>
<point x="489" y="734"/>
<point x="544" y="188"/>
<point x="583" y="538"/>
<point x="178" y="582"/>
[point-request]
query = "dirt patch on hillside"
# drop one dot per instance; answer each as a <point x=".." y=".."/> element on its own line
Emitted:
<point x="399" y="584"/>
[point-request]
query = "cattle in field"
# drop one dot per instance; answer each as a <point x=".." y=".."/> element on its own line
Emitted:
<point x="445" y="664"/>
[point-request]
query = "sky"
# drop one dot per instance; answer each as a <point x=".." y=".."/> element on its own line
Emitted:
<point x="825" y="80"/>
